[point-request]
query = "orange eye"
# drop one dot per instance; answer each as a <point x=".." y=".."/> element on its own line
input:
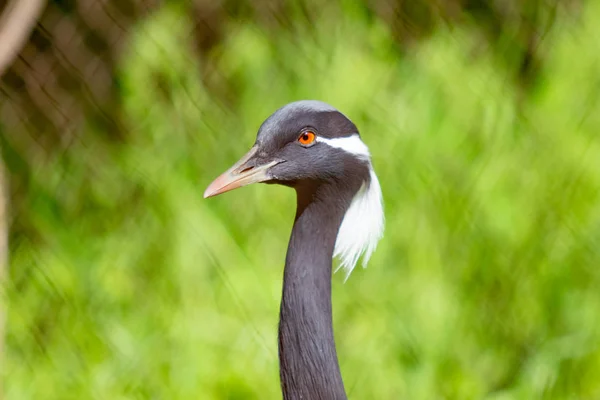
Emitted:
<point x="307" y="138"/>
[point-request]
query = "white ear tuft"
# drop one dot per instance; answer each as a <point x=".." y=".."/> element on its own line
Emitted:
<point x="362" y="226"/>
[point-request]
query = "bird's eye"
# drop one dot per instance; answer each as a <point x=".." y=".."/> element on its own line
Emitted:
<point x="307" y="138"/>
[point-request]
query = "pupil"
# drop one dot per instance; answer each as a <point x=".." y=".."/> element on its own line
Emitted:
<point x="305" y="137"/>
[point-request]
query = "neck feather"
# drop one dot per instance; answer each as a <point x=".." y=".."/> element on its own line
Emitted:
<point x="308" y="360"/>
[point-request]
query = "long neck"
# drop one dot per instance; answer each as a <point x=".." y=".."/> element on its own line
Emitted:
<point x="308" y="360"/>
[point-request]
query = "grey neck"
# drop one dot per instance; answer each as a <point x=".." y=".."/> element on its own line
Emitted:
<point x="309" y="366"/>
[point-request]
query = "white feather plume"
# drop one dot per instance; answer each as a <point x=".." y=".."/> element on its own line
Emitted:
<point x="363" y="224"/>
<point x="362" y="227"/>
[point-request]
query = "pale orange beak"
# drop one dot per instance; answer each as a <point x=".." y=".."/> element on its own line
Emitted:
<point x="239" y="175"/>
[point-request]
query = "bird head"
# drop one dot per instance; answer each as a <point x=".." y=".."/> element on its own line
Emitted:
<point x="303" y="142"/>
<point x="309" y="144"/>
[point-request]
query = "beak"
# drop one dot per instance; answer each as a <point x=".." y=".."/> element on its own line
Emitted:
<point x="240" y="174"/>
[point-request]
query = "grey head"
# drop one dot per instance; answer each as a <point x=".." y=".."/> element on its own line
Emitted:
<point x="304" y="142"/>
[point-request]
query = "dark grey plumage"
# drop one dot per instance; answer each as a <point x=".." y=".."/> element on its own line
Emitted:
<point x="327" y="174"/>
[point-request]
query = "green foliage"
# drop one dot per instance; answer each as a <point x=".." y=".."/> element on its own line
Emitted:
<point x="484" y="286"/>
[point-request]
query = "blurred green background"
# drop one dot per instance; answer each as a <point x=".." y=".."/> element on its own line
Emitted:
<point x="124" y="283"/>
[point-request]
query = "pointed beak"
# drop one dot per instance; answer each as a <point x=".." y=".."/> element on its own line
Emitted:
<point x="242" y="173"/>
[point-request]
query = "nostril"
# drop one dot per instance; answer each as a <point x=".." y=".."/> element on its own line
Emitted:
<point x="246" y="170"/>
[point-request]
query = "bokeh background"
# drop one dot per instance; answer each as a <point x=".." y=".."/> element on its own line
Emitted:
<point x="483" y="119"/>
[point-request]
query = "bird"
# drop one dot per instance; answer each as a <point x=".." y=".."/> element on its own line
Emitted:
<point x="317" y="150"/>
